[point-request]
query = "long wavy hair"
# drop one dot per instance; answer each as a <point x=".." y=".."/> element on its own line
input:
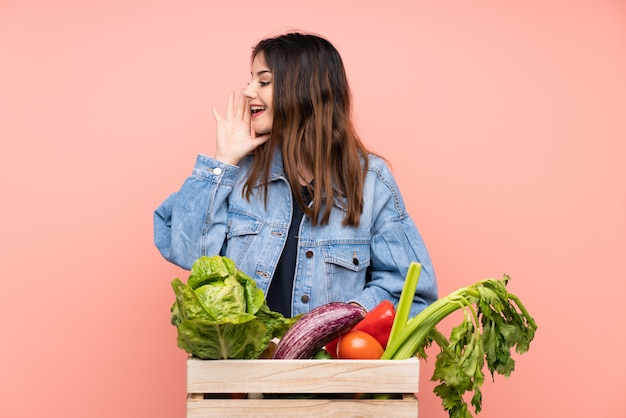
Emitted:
<point x="312" y="126"/>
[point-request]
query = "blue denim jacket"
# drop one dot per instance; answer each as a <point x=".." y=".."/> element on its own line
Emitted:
<point x="363" y="264"/>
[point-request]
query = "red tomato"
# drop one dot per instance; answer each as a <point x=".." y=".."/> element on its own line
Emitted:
<point x="359" y="345"/>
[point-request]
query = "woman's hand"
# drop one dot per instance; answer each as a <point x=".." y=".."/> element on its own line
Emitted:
<point x="234" y="137"/>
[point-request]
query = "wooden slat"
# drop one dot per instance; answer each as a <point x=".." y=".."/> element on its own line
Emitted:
<point x="316" y="408"/>
<point x="303" y="376"/>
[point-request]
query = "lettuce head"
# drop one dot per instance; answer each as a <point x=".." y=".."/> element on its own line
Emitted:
<point x="220" y="313"/>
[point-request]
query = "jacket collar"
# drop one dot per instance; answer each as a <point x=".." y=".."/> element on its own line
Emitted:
<point x="277" y="172"/>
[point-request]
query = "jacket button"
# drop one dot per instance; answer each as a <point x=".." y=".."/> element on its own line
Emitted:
<point x="304" y="298"/>
<point x="309" y="254"/>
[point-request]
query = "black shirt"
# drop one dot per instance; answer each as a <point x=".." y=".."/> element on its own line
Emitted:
<point x="280" y="292"/>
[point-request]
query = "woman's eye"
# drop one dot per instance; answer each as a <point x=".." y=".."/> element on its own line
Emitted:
<point x="264" y="83"/>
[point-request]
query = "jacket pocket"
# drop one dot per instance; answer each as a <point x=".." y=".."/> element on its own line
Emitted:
<point x="242" y="224"/>
<point x="240" y="234"/>
<point x="351" y="256"/>
<point x="346" y="270"/>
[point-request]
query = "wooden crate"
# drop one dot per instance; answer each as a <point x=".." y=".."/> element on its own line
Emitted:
<point x="267" y="388"/>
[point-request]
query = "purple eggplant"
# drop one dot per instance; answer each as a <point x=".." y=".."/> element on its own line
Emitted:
<point x="317" y="328"/>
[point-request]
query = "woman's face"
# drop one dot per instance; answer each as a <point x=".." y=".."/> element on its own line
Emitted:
<point x="259" y="93"/>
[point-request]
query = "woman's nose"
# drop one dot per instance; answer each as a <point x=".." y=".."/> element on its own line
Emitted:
<point x="249" y="92"/>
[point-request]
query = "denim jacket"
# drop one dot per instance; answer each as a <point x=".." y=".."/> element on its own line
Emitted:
<point x="363" y="264"/>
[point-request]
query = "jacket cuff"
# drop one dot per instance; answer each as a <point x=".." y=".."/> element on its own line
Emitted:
<point x="215" y="171"/>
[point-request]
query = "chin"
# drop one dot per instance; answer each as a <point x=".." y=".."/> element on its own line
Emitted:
<point x="262" y="131"/>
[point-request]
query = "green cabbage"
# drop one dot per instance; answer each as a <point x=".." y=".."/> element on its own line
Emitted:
<point x="220" y="313"/>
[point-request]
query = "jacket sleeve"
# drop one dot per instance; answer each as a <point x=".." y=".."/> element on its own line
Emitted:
<point x="395" y="244"/>
<point x="192" y="222"/>
<point x="394" y="247"/>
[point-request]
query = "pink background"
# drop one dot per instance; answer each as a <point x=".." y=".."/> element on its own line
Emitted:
<point x="505" y="123"/>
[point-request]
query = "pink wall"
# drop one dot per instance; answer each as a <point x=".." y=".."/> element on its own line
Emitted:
<point x="504" y="122"/>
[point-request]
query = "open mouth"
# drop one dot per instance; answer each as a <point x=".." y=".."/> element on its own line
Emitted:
<point x="256" y="109"/>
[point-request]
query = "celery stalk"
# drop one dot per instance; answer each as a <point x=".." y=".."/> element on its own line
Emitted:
<point x="415" y="331"/>
<point x="406" y="300"/>
<point x="494" y="324"/>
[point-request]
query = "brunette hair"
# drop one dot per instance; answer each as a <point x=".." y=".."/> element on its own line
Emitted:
<point x="312" y="126"/>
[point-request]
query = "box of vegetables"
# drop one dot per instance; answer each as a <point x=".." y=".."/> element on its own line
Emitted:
<point x="337" y="360"/>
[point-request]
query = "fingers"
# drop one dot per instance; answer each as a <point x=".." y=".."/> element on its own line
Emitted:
<point x="246" y="109"/>
<point x="241" y="106"/>
<point x="216" y="115"/>
<point x="240" y="112"/>
<point x="230" y="106"/>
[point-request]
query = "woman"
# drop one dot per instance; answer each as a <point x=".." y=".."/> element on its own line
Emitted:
<point x="292" y="195"/>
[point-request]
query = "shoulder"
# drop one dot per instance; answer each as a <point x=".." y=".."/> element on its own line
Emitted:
<point x="380" y="185"/>
<point x="378" y="167"/>
<point x="376" y="162"/>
